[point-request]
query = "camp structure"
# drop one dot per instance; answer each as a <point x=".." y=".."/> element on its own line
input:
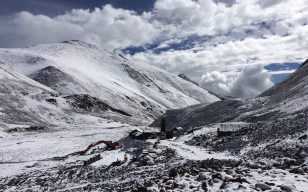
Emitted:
<point x="227" y="129"/>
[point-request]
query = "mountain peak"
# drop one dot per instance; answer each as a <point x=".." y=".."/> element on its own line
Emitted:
<point x="78" y="42"/>
<point x="187" y="79"/>
<point x="74" y="41"/>
<point x="303" y="64"/>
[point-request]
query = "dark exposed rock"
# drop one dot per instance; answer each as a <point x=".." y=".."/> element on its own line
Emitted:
<point x="217" y="176"/>
<point x="56" y="79"/>
<point x="303" y="137"/>
<point x="204" y="186"/>
<point x="173" y="173"/>
<point x="31" y="128"/>
<point x="263" y="186"/>
<point x="24" y="93"/>
<point x="122" y="56"/>
<point x="142" y="189"/>
<point x="89" y="103"/>
<point x="187" y="79"/>
<point x="294" y="170"/>
<point x="52" y="101"/>
<point x="238" y="180"/>
<point x="270" y="184"/>
<point x="222" y="186"/>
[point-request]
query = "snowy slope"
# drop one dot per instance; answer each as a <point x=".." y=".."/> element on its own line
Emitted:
<point x="25" y="103"/>
<point x="75" y="67"/>
<point x="16" y="106"/>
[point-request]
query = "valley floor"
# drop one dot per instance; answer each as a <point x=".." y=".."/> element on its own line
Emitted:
<point x="47" y="161"/>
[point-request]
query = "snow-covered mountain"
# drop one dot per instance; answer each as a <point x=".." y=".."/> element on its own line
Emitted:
<point x="286" y="98"/>
<point x="76" y="88"/>
<point x="25" y="103"/>
<point x="84" y="73"/>
<point x="18" y="96"/>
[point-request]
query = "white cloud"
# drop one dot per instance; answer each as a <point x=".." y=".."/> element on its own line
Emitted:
<point x="282" y="72"/>
<point x="162" y="45"/>
<point x="26" y="29"/>
<point x="217" y="82"/>
<point x="170" y="19"/>
<point x="167" y="43"/>
<point x="238" y="33"/>
<point x="251" y="81"/>
<point x="107" y="27"/>
<point x="230" y="56"/>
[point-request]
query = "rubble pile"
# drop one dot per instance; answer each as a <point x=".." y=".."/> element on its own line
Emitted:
<point x="285" y="137"/>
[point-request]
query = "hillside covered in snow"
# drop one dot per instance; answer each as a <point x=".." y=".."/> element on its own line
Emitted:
<point x="87" y="80"/>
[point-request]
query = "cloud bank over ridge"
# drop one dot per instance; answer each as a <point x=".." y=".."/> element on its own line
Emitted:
<point x="196" y="38"/>
<point x="251" y="81"/>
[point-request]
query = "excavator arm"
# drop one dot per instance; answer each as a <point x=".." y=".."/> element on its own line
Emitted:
<point x="108" y="143"/>
<point x="92" y="145"/>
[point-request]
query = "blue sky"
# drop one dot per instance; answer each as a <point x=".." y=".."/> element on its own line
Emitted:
<point x="232" y="47"/>
<point x="55" y="7"/>
<point x="278" y="67"/>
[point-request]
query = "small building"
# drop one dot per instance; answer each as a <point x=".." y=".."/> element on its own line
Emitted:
<point x="224" y="133"/>
<point x="227" y="129"/>
<point x="135" y="132"/>
<point x="169" y="135"/>
<point x="177" y="129"/>
<point x="140" y="135"/>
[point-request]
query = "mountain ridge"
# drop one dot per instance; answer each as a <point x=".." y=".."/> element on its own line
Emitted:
<point x="78" y="68"/>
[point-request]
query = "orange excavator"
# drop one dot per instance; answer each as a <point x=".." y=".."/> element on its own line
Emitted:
<point x="109" y="145"/>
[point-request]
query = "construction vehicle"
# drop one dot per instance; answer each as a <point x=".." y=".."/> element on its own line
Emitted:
<point x="109" y="145"/>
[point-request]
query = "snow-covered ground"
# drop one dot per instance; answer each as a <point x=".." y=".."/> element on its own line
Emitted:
<point x="34" y="160"/>
<point x="22" y="149"/>
<point x="42" y="148"/>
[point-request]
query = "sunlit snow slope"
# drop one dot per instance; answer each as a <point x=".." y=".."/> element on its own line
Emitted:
<point x="20" y="99"/>
<point x="76" y="68"/>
